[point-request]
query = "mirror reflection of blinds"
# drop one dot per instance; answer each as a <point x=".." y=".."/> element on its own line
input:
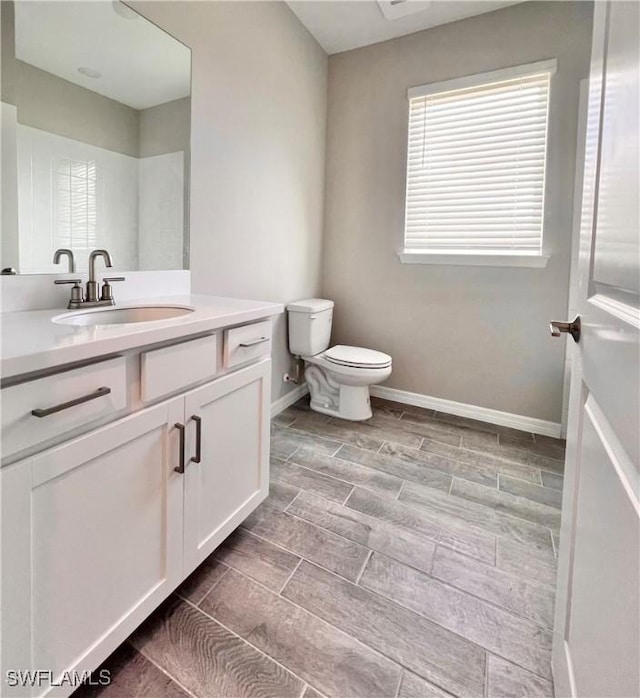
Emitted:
<point x="76" y="205"/>
<point x="476" y="167"/>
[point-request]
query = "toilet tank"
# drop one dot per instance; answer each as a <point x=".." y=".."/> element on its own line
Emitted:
<point x="309" y="326"/>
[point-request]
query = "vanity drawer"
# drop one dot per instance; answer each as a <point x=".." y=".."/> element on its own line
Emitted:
<point x="40" y="410"/>
<point x="247" y="343"/>
<point x="166" y="370"/>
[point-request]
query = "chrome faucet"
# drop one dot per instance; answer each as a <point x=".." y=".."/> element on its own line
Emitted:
<point x="78" y="300"/>
<point x="64" y="252"/>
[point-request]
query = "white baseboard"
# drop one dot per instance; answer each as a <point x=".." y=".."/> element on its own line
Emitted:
<point x="287" y="400"/>
<point x="461" y="409"/>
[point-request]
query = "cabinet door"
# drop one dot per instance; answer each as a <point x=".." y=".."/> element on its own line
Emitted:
<point x="232" y="477"/>
<point x="104" y="516"/>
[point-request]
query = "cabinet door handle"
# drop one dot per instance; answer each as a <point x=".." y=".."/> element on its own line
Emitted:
<point x="180" y="467"/>
<point x="46" y="411"/>
<point x="253" y="342"/>
<point x="198" y="457"/>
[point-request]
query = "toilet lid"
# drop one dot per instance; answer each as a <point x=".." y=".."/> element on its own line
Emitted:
<point x="357" y="357"/>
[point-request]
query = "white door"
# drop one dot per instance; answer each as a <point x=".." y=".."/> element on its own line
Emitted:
<point x="227" y="463"/>
<point x="596" y="650"/>
<point x="94" y="543"/>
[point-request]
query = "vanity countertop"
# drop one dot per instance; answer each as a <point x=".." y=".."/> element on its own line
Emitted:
<point x="31" y="341"/>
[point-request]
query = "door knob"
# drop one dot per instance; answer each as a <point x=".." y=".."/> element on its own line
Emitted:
<point x="573" y="328"/>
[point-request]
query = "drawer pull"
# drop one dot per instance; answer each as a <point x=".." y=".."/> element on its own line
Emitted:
<point x="45" y="412"/>
<point x="198" y="457"/>
<point x="180" y="467"/>
<point x="253" y="342"/>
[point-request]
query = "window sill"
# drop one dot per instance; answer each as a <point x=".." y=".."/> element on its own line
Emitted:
<point x="478" y="259"/>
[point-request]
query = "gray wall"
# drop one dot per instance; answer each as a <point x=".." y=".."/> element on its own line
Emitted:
<point x="257" y="165"/>
<point x="476" y="335"/>
<point x="164" y="128"/>
<point x="58" y="106"/>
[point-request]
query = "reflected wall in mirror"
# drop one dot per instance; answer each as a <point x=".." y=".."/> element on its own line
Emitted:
<point x="96" y="114"/>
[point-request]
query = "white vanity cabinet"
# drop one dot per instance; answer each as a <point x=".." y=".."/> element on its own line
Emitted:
<point x="232" y="475"/>
<point x="98" y="530"/>
<point x="96" y="544"/>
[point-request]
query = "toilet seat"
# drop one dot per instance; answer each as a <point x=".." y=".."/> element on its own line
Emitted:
<point x="357" y="357"/>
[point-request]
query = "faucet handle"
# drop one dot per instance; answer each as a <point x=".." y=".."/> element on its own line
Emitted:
<point x="75" y="282"/>
<point x="77" y="296"/>
<point x="107" y="293"/>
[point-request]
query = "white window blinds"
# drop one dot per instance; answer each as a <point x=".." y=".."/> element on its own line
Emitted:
<point x="476" y="163"/>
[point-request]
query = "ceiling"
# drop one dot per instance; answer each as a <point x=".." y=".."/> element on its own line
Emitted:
<point x="140" y="65"/>
<point x="340" y="25"/>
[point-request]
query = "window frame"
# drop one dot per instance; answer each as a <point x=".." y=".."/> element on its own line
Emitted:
<point x="421" y="255"/>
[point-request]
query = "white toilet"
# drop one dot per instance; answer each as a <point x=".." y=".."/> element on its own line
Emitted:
<point x="339" y="377"/>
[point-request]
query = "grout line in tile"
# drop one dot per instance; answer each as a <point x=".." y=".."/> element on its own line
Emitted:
<point x="527" y="482"/>
<point x="366" y="562"/>
<point x="333" y="455"/>
<point x="348" y="498"/>
<point x="506" y="458"/>
<point x="486" y="674"/>
<point x="202" y="598"/>
<point x="163" y="670"/>
<point x="291" y="455"/>
<point x="433" y="560"/>
<point x="397" y="693"/>
<point x="298" y="493"/>
<point x="293" y="571"/>
<point x="350" y="493"/>
<point x="342" y="445"/>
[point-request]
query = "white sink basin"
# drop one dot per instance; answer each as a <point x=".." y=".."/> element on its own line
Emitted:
<point x="122" y="316"/>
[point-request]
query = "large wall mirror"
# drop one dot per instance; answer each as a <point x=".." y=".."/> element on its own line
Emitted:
<point x="96" y="114"/>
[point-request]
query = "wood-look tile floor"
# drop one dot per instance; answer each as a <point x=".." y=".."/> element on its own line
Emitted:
<point x="412" y="555"/>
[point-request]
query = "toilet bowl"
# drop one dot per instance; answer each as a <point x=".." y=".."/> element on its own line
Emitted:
<point x="338" y="377"/>
<point x="342" y="389"/>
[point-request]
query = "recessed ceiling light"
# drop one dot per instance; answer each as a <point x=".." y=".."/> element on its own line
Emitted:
<point x="121" y="9"/>
<point x="89" y="72"/>
<point x="395" y="9"/>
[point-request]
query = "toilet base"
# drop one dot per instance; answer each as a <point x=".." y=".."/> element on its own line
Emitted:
<point x="343" y="401"/>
